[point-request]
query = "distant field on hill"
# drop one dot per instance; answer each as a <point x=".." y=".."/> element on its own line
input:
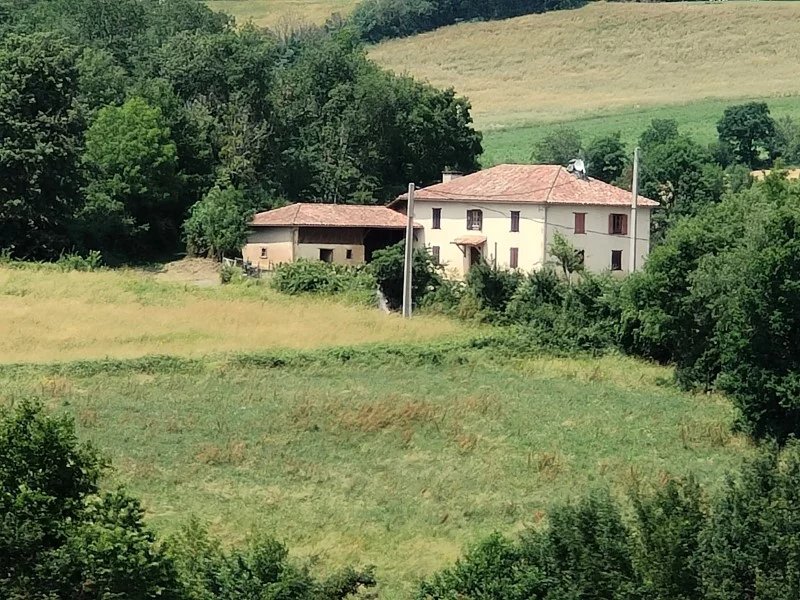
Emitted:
<point x="698" y="119"/>
<point x="273" y="12"/>
<point x="604" y="57"/>
<point x="48" y="315"/>
<point x="382" y="458"/>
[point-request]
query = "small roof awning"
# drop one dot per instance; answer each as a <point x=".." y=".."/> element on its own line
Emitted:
<point x="470" y="240"/>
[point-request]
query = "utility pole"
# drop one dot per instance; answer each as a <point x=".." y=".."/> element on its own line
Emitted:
<point x="634" y="204"/>
<point x="408" y="264"/>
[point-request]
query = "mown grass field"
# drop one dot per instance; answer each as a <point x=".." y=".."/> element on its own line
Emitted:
<point x="573" y="63"/>
<point x="395" y="454"/>
<point x="271" y="13"/>
<point x="49" y="315"/>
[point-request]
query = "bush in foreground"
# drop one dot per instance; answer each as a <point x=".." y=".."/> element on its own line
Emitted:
<point x="676" y="545"/>
<point x="62" y="537"/>
<point x="317" y="277"/>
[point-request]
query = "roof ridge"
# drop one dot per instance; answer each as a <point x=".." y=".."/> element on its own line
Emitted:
<point x="552" y="185"/>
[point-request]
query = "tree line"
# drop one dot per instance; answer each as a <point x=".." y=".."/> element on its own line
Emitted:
<point x="130" y="126"/>
<point x="676" y="170"/>
<point x="376" y="20"/>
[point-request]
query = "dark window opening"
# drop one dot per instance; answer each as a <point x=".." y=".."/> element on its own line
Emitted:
<point x="263" y="253"/>
<point x="435" y="254"/>
<point x="514" y="258"/>
<point x="474" y="220"/>
<point x="580" y="222"/>
<point x="616" y="260"/>
<point x="326" y="255"/>
<point x="618" y="224"/>
<point x="437" y="218"/>
<point x="514" y="220"/>
<point x="348" y="254"/>
<point x="581" y="256"/>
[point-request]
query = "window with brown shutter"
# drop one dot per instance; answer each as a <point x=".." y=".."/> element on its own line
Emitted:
<point x="474" y="220"/>
<point x="437" y="218"/>
<point x="514" y="220"/>
<point x="616" y="260"/>
<point x="514" y="258"/>
<point x="618" y="224"/>
<point x="580" y="222"/>
<point x="435" y="254"/>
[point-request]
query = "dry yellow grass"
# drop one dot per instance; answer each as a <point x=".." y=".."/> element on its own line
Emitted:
<point x="604" y="57"/>
<point x="271" y="13"/>
<point x="48" y="315"/>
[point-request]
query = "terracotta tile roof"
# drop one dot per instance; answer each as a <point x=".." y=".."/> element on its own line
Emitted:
<point x="331" y="215"/>
<point x="534" y="184"/>
<point x="470" y="240"/>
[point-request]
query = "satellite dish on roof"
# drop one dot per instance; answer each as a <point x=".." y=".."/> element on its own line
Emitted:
<point x="577" y="167"/>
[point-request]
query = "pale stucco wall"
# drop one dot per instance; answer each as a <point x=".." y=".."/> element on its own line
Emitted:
<point x="530" y="240"/>
<point x="597" y="243"/>
<point x="311" y="252"/>
<point x="278" y="242"/>
<point x="496" y="227"/>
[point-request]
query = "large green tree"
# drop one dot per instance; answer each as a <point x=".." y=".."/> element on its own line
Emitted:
<point x="606" y="157"/>
<point x="40" y="142"/>
<point x="683" y="177"/>
<point x="217" y="225"/>
<point x="559" y="146"/>
<point x="132" y="195"/>
<point x="748" y="129"/>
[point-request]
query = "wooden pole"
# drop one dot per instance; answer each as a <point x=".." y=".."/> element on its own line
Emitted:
<point x="409" y="257"/>
<point x="634" y="204"/>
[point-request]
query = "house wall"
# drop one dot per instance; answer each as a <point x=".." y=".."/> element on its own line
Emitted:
<point x="339" y="239"/>
<point x="597" y="243"/>
<point x="311" y="252"/>
<point x="278" y="242"/>
<point x="496" y="227"/>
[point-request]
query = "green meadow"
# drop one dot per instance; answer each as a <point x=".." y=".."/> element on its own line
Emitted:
<point x="387" y="452"/>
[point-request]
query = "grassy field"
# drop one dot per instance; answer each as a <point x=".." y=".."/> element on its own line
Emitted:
<point x="269" y="13"/>
<point x="395" y="454"/>
<point x="390" y="462"/>
<point x="48" y="315"/>
<point x="610" y="67"/>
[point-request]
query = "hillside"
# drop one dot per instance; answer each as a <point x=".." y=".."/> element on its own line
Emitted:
<point x="268" y="13"/>
<point x="394" y="455"/>
<point x="608" y="57"/>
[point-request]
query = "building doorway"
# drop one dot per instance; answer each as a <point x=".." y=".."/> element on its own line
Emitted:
<point x="474" y="257"/>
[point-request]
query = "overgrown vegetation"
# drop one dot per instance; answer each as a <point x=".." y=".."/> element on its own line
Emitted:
<point x="123" y="119"/>
<point x="384" y="273"/>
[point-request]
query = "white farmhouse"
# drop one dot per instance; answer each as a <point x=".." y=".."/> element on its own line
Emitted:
<point x="508" y="216"/>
